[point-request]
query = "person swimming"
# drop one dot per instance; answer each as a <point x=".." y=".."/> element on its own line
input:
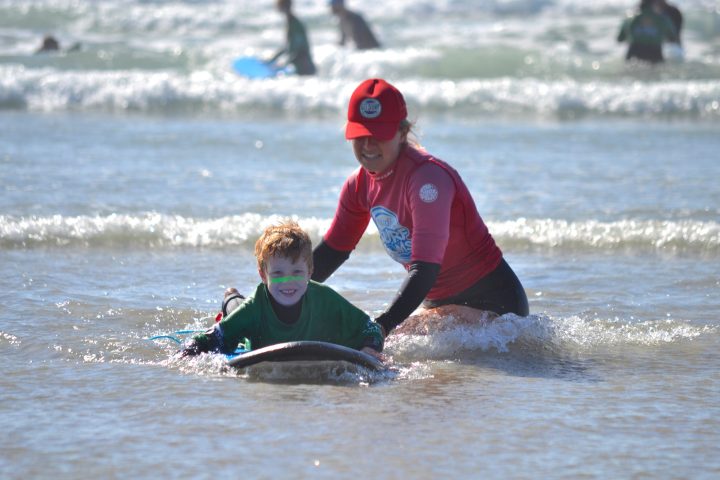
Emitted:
<point x="51" y="44"/>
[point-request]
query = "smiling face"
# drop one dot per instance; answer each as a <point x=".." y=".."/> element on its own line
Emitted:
<point x="377" y="156"/>
<point x="286" y="279"/>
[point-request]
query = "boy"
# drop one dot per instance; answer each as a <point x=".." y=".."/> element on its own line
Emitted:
<point x="287" y="306"/>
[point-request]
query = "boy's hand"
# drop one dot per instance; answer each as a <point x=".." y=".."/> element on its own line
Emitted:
<point x="190" y="350"/>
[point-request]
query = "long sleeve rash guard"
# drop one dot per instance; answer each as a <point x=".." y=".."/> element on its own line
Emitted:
<point x="425" y="215"/>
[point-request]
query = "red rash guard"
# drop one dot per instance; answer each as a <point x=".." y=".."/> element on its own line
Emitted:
<point x="423" y="212"/>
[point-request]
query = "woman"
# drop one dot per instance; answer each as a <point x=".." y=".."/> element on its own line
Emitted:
<point x="424" y="213"/>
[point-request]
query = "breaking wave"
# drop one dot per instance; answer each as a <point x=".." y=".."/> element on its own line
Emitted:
<point x="155" y="230"/>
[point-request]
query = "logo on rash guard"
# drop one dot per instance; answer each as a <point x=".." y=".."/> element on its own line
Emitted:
<point x="428" y="193"/>
<point x="394" y="236"/>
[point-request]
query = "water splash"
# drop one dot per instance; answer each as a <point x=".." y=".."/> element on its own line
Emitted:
<point x="539" y="335"/>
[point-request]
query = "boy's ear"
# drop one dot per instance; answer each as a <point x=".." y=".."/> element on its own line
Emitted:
<point x="261" y="272"/>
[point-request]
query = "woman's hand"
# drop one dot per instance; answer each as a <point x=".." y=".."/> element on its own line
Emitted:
<point x="374" y="353"/>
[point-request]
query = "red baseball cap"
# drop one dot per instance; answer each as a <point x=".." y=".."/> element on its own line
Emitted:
<point x="376" y="109"/>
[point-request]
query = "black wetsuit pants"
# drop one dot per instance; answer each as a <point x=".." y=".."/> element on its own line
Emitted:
<point x="500" y="291"/>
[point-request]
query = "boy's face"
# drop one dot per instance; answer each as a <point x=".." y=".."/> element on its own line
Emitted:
<point x="286" y="280"/>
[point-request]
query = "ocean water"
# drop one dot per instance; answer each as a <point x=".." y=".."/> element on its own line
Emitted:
<point x="137" y="172"/>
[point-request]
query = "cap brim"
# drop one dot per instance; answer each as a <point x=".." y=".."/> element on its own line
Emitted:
<point x="379" y="131"/>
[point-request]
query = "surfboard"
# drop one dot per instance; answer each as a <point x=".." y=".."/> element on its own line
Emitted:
<point x="304" y="350"/>
<point x="313" y="351"/>
<point x="252" y="67"/>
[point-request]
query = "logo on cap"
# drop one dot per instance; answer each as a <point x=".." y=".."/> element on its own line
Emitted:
<point x="370" y="108"/>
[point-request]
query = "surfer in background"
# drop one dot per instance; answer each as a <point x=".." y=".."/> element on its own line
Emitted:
<point x="286" y="306"/>
<point x="353" y="26"/>
<point x="297" y="47"/>
<point x="674" y="14"/>
<point x="645" y="32"/>
<point x="424" y="213"/>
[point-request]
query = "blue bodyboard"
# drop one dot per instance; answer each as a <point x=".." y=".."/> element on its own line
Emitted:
<point x="252" y="67"/>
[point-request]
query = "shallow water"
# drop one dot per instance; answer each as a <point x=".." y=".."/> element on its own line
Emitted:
<point x="136" y="176"/>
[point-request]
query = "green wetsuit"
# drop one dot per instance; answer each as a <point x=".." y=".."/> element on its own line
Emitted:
<point x="325" y="316"/>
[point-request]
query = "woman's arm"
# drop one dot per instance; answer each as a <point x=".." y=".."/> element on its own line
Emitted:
<point x="326" y="260"/>
<point x="420" y="279"/>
